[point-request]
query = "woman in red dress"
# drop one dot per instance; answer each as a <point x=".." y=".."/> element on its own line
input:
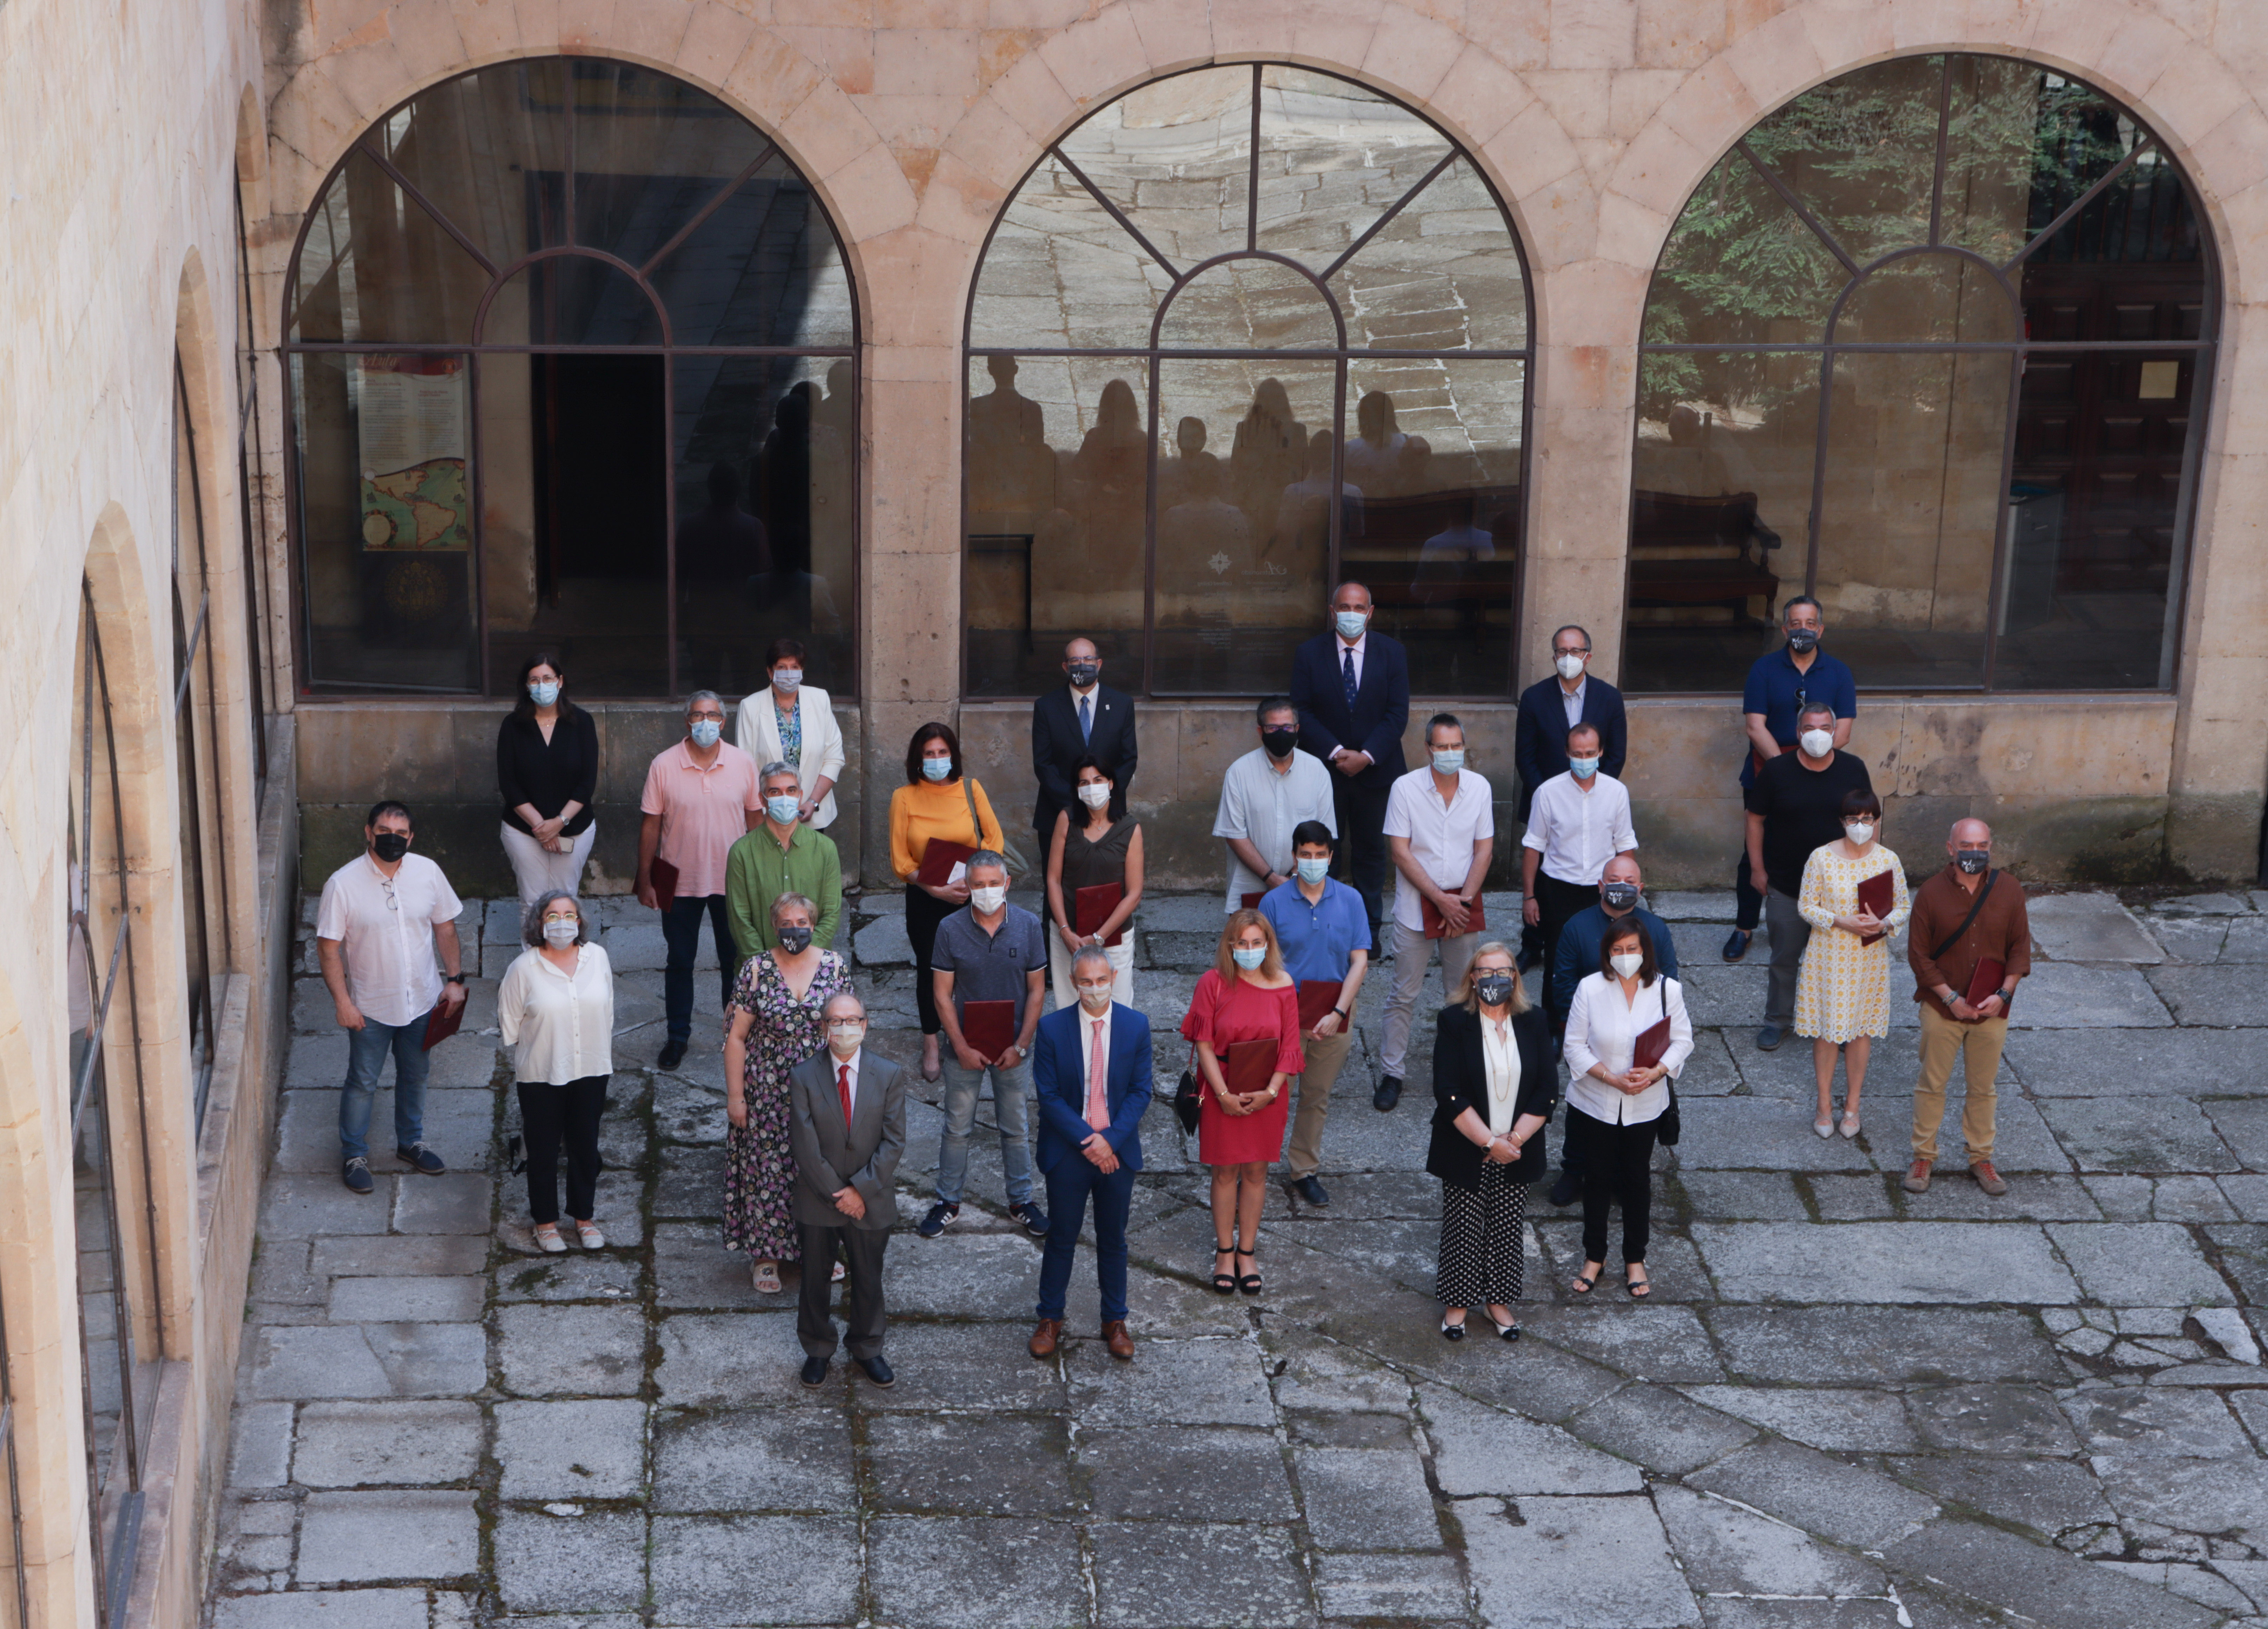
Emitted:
<point x="1247" y="996"/>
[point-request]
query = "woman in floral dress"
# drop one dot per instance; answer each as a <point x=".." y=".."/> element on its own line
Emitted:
<point x="1842" y="993"/>
<point x="772" y="1024"/>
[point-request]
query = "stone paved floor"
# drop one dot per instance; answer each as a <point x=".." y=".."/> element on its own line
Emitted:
<point x="1847" y="1407"/>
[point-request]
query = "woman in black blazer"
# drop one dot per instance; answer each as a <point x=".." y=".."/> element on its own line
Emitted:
<point x="1494" y="1085"/>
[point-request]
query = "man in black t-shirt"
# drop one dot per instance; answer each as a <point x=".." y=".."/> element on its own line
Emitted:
<point x="1795" y="806"/>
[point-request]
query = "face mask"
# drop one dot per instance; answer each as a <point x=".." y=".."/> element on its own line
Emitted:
<point x="1249" y="958"/>
<point x="986" y="900"/>
<point x="1619" y="896"/>
<point x="783" y="810"/>
<point x="1279" y="743"/>
<point x="562" y="930"/>
<point x="1314" y="871"/>
<point x="543" y="692"/>
<point x="706" y="732"/>
<point x="1627" y="964"/>
<point x="1094" y="999"/>
<point x="1448" y="763"/>
<point x="1973" y="860"/>
<point x="936" y="769"/>
<point x="795" y="939"/>
<point x="1802" y="640"/>
<point x="843" y="1039"/>
<point x="1085" y="673"/>
<point x="1816" y="742"/>
<point x="1861" y="833"/>
<point x="1350" y="623"/>
<point x="787" y="680"/>
<point x="1493" y="988"/>
<point x="1571" y="668"/>
<point x="389" y="846"/>
<point x="1094" y="794"/>
<point x="1582" y="769"/>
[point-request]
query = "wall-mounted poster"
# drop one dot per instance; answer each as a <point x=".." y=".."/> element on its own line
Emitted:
<point x="410" y="420"/>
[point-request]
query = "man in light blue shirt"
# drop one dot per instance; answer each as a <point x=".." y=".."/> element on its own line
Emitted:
<point x="1324" y="934"/>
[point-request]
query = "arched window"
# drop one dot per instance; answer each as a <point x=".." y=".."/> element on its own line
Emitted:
<point x="1927" y="344"/>
<point x="197" y="719"/>
<point x="1244" y="332"/>
<point x="571" y="346"/>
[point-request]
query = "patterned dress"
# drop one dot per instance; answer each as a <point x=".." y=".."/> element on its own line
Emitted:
<point x="1843" y="989"/>
<point x="759" y="1164"/>
<point x="790" y="735"/>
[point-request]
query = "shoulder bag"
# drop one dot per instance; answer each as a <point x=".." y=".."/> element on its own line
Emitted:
<point x="1018" y="866"/>
<point x="1189" y="1097"/>
<point x="1668" y="1127"/>
<point x="1975" y="906"/>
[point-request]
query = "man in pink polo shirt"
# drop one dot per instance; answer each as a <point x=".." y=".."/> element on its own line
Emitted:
<point x="700" y="799"/>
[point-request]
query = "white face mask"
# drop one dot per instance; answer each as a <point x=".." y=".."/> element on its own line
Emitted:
<point x="1449" y="760"/>
<point x="843" y="1039"/>
<point x="562" y="930"/>
<point x="1094" y="794"/>
<point x="984" y="901"/>
<point x="1627" y="964"/>
<point x="1094" y="998"/>
<point x="1350" y="623"/>
<point x="1570" y="667"/>
<point x="1861" y="833"/>
<point x="1248" y="957"/>
<point x="1816" y="742"/>
<point x="787" y="680"/>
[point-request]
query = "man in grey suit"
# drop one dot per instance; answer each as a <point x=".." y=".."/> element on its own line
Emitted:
<point x="846" y="1125"/>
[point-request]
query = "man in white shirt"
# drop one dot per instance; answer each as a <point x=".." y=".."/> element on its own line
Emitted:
<point x="1264" y="797"/>
<point x="1577" y="822"/>
<point x="1441" y="832"/>
<point x="385" y="932"/>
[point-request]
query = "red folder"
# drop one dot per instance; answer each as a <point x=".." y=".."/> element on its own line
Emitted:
<point x="938" y="860"/>
<point x="1249" y="1065"/>
<point x="1248" y="902"/>
<point x="1983" y="982"/>
<point x="988" y="1027"/>
<point x="1436" y="927"/>
<point x="1876" y="895"/>
<point x="1652" y="1043"/>
<point x="664" y="884"/>
<point x="442" y="1023"/>
<point x="1317" y="996"/>
<point x="1092" y="908"/>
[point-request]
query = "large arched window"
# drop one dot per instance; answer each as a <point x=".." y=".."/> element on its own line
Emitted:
<point x="572" y="368"/>
<point x="1925" y="345"/>
<point x="1243" y="332"/>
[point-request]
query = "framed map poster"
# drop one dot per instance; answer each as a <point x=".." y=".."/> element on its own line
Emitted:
<point x="410" y="421"/>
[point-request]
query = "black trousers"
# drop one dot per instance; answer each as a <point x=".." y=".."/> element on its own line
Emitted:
<point x="552" y="1116"/>
<point x="1617" y="1169"/>
<point x="861" y="1249"/>
<point x="1748" y="900"/>
<point x="680" y="931"/>
<point x="1559" y="903"/>
<point x="923" y="912"/>
<point x="1360" y="861"/>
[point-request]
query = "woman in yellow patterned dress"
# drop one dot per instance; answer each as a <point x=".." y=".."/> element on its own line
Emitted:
<point x="1842" y="993"/>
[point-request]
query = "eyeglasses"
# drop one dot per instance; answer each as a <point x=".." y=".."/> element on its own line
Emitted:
<point x="392" y="904"/>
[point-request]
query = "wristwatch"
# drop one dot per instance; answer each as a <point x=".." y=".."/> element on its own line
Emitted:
<point x="455" y="978"/>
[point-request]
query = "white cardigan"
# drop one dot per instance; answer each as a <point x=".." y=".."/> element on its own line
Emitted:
<point x="1603" y="1028"/>
<point x="758" y="736"/>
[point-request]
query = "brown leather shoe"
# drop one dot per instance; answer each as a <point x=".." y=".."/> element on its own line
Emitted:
<point x="1917" y="1180"/>
<point x="1987" y="1178"/>
<point x="1047" y="1338"/>
<point x="1121" y="1343"/>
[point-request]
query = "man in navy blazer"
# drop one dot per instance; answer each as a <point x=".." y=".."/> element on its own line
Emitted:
<point x="1549" y="708"/>
<point x="1352" y="689"/>
<point x="1090" y="1141"/>
<point x="1085" y="716"/>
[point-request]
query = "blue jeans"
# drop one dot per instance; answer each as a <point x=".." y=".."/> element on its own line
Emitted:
<point x="367" y="1050"/>
<point x="1069" y="1186"/>
<point x="680" y="930"/>
<point x="1011" y="1097"/>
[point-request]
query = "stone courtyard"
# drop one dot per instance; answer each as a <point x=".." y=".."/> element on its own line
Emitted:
<point x="1846" y="1405"/>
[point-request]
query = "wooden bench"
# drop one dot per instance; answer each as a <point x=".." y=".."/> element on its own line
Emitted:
<point x="1701" y="551"/>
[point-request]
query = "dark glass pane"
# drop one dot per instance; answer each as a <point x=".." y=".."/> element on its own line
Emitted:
<point x="765" y="519"/>
<point x="1739" y="267"/>
<point x="1058" y="462"/>
<point x="1334" y="157"/>
<point x="375" y="267"/>
<point x="1256" y="304"/>
<point x="1442" y="274"/>
<point x="649" y="152"/>
<point x="1860" y="152"/>
<point x="1944" y="298"/>
<point x="1720" y="514"/>
<point x="764" y="268"/>
<point x="490" y="149"/>
<point x="1176" y="157"/>
<point x="570" y="300"/>
<point x="385" y="521"/>
<point x="1433" y="467"/>
<point x="2022" y="143"/>
<point x="1060" y="272"/>
<point x="2129" y="265"/>
<point x="2094" y="520"/>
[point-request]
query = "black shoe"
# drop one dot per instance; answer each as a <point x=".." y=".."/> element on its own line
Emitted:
<point x="421" y="1158"/>
<point x="1452" y="1331"/>
<point x="878" y="1370"/>
<point x="1310" y="1192"/>
<point x="934" y="1224"/>
<point x="1529" y="961"/>
<point x="1563" y="1190"/>
<point x="1033" y="1219"/>
<point x="1388" y="1094"/>
<point x="672" y="1055"/>
<point x="1737" y="945"/>
<point x="814" y="1371"/>
<point x="355" y="1174"/>
<point x="1770" y="1037"/>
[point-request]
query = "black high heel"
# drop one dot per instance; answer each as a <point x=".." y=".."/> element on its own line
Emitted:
<point x="1224" y="1283"/>
<point x="1248" y="1282"/>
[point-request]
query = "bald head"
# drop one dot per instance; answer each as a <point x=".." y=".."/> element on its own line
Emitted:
<point x="1971" y="831"/>
<point x="1969" y="846"/>
<point x="1622" y="869"/>
<point x="1619" y="884"/>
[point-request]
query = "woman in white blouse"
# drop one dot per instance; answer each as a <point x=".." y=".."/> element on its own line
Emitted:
<point x="556" y="1008"/>
<point x="792" y="722"/>
<point x="1613" y="1108"/>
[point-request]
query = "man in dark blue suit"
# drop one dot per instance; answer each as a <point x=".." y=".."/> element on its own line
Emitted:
<point x="1085" y="716"/>
<point x="1090" y="1074"/>
<point x="1549" y="708"/>
<point x="1352" y="689"/>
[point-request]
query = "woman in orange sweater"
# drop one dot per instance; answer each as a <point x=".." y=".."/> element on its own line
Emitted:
<point x="934" y="805"/>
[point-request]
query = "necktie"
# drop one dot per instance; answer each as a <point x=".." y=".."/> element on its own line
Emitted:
<point x="1347" y="673"/>
<point x="843" y="1085"/>
<point x="1098" y="1100"/>
<point x="1086" y="718"/>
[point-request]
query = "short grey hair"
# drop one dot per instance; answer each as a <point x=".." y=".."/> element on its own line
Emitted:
<point x="1091" y="953"/>
<point x="846" y="993"/>
<point x="531" y="923"/>
<point x="1813" y="709"/>
<point x="699" y="696"/>
<point x="778" y="767"/>
<point x="987" y="856"/>
<point x="790" y="901"/>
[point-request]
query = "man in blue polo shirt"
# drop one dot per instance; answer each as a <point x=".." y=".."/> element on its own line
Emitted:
<point x="1780" y="685"/>
<point x="1324" y="933"/>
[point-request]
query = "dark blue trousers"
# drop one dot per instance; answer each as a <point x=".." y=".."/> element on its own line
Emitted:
<point x="680" y="931"/>
<point x="1070" y="1184"/>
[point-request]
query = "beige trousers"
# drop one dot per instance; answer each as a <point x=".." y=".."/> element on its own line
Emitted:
<point x="1122" y="963"/>
<point x="1325" y="1059"/>
<point x="1978" y="1046"/>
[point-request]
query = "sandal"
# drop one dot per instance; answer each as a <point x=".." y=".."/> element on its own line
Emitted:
<point x="588" y="1232"/>
<point x="1583" y="1282"/>
<point x="765" y="1275"/>
<point x="1224" y="1283"/>
<point x="1637" y="1290"/>
<point x="838" y="1276"/>
<point x="1248" y="1282"/>
<point x="547" y="1239"/>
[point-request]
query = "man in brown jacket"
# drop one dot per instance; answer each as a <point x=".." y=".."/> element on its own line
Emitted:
<point x="1966" y="916"/>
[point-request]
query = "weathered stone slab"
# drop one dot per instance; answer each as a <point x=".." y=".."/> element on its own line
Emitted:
<point x="548" y="1351"/>
<point x="2145" y="1134"/>
<point x="2127" y="1063"/>
<point x="581" y="1276"/>
<point x="1839" y="1420"/>
<point x="1846" y="1346"/>
<point x="385" y="1444"/>
<point x="259" y="1445"/>
<point x="2131" y="1422"/>
<point x="1733" y="1195"/>
<point x="1759" y="1133"/>
<point x="588" y="1449"/>
<point x="1990" y="1420"/>
<point x="1617" y="1546"/>
<point x="2204" y="904"/>
<point x="882" y="942"/>
<point x="1660" y="1429"/>
<point x="2089" y="927"/>
<point x="2043" y="1584"/>
<point x="970" y="1465"/>
<point x="2247" y="941"/>
<point x="2242" y="1122"/>
<point x="458" y="1202"/>
<point x="327" y="1608"/>
<point x="1188" y="1473"/>
<point x="2058" y="995"/>
<point x="2139" y="1264"/>
<point x="1478" y="1449"/>
<point x="1219" y="1577"/>
<point x="740" y="1359"/>
<point x="1366" y="1499"/>
<point x="363" y="1537"/>
<point x="1825" y="1496"/>
<point x="1728" y="1551"/>
<point x="959" y="1573"/>
<point x="591" y="1563"/>
<point x="408" y="1300"/>
<point x="1674" y="907"/>
<point x="320" y="1207"/>
<point x="370" y="1361"/>
<point x="1885" y="1262"/>
<point x="2218" y="997"/>
<point x="2226" y="1496"/>
<point x="1670" y="1343"/>
<point x="2049" y="1496"/>
<point x="1217" y="1381"/>
<point x="394" y="1256"/>
<point x="2197" y="939"/>
<point x="1397" y="1588"/>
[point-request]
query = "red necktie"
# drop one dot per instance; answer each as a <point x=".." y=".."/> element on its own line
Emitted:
<point x="1098" y="1097"/>
<point x="843" y="1082"/>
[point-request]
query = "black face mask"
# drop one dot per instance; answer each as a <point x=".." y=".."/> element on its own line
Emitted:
<point x="1802" y="640"/>
<point x="1973" y="860"/>
<point x="389" y="846"/>
<point x="1085" y="673"/>
<point x="794" y="940"/>
<point x="1493" y="988"/>
<point x="1279" y="743"/>
<point x="1619" y="896"/>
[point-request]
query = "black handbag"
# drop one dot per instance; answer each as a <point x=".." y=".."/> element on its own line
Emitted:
<point x="1667" y="1129"/>
<point x="1189" y="1097"/>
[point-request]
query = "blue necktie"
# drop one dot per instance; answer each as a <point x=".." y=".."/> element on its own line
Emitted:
<point x="1086" y="718"/>
<point x="1347" y="673"/>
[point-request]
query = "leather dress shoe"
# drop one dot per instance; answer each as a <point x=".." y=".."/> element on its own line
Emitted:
<point x="1120" y="1342"/>
<point x="814" y="1371"/>
<point x="1388" y="1094"/>
<point x="1046" y="1338"/>
<point x="1565" y="1189"/>
<point x="879" y="1371"/>
<point x="1310" y="1192"/>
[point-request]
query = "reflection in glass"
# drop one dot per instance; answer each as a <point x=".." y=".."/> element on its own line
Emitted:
<point x="762" y="268"/>
<point x="1060" y="272"/>
<point x="1739" y="267"/>
<point x="1334" y="157"/>
<point x="1250" y="305"/>
<point x="489" y="150"/>
<point x="570" y="299"/>
<point x="1443" y="274"/>
<point x="1859" y="150"/>
<point x="1943" y="298"/>
<point x="1176" y="157"/>
<point x="376" y="268"/>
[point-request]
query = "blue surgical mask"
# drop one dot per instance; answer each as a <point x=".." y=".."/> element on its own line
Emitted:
<point x="787" y="680"/>
<point x="706" y="732"/>
<point x="1249" y="957"/>
<point x="936" y="769"/>
<point x="1582" y="769"/>
<point x="543" y="692"/>
<point x="782" y="809"/>
<point x="1314" y="871"/>
<point x="1350" y="623"/>
<point x="1449" y="762"/>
